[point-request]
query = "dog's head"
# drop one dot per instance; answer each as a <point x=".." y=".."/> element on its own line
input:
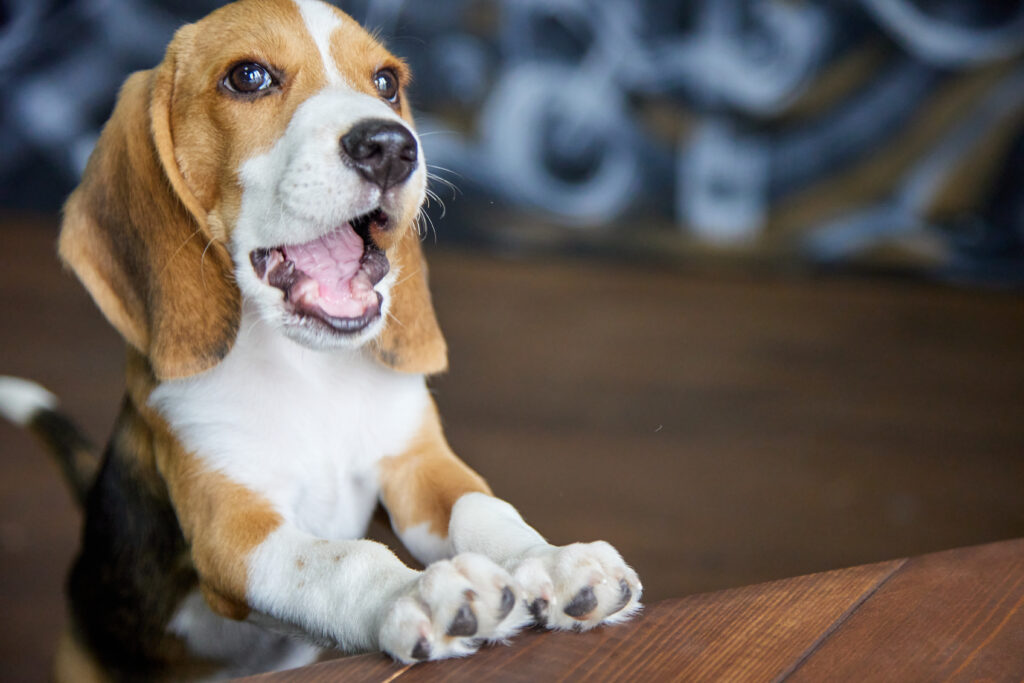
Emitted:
<point x="269" y="158"/>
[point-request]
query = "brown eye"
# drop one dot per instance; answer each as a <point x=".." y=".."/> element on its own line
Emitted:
<point x="386" y="83"/>
<point x="248" y="77"/>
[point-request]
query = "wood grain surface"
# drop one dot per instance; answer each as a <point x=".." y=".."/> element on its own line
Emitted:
<point x="957" y="615"/>
<point x="949" y="616"/>
<point x="720" y="429"/>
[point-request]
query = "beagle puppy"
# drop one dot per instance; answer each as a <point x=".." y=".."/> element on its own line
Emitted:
<point x="248" y="223"/>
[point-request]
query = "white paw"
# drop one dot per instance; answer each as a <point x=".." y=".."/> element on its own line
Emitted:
<point x="578" y="586"/>
<point x="451" y="608"/>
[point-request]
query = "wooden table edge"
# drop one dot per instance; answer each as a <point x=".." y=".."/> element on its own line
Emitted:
<point x="843" y="622"/>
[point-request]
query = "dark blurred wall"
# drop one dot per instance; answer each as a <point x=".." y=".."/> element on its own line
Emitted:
<point x="885" y="132"/>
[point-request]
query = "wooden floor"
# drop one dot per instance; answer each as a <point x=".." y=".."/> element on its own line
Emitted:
<point x="948" y="616"/>
<point x="718" y="430"/>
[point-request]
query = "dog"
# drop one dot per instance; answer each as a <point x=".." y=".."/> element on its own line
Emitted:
<point x="248" y="223"/>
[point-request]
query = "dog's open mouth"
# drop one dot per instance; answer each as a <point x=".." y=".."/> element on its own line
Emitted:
<point x="330" y="279"/>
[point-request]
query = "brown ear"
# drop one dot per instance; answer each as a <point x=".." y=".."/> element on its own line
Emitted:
<point x="412" y="339"/>
<point x="137" y="238"/>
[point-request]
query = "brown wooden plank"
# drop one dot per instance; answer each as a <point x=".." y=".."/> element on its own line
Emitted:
<point x="956" y="615"/>
<point x="735" y="431"/>
<point x="350" y="669"/>
<point x="751" y="633"/>
<point x="732" y="430"/>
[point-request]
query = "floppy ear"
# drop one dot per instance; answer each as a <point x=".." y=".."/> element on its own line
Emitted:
<point x="138" y="239"/>
<point x="411" y="340"/>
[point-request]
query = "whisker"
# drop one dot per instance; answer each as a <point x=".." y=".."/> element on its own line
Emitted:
<point x="442" y="179"/>
<point x="433" y="195"/>
<point x="202" y="261"/>
<point x="418" y="223"/>
<point x="425" y="217"/>
<point x="392" y="316"/>
<point x="406" y="278"/>
<point x="252" y="326"/>
<point x="436" y="169"/>
<point x="443" y="168"/>
<point x="180" y="247"/>
<point x="447" y="183"/>
<point x="429" y="196"/>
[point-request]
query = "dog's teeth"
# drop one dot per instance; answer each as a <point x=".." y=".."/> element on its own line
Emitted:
<point x="361" y="285"/>
<point x="306" y="291"/>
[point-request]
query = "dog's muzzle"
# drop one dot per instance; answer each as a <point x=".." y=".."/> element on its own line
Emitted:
<point x="330" y="279"/>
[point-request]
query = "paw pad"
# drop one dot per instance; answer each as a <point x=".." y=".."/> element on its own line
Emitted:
<point x="588" y="582"/>
<point x="422" y="649"/>
<point x="508" y="601"/>
<point x="464" y="623"/>
<point x="582" y="604"/>
<point x="537" y="609"/>
<point x="451" y="608"/>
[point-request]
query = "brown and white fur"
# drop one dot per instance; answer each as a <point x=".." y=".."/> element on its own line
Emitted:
<point x="258" y="433"/>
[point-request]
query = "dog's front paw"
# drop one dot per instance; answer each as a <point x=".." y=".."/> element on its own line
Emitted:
<point x="451" y="608"/>
<point x="578" y="586"/>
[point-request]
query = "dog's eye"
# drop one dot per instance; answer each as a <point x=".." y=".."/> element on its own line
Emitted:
<point x="386" y="83"/>
<point x="248" y="77"/>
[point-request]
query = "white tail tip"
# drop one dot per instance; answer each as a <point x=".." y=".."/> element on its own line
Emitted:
<point x="21" y="399"/>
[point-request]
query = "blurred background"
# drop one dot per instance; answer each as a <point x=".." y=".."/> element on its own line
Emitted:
<point x="879" y="133"/>
<point x="735" y="284"/>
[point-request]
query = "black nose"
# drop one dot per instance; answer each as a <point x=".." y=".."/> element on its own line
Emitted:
<point x="384" y="152"/>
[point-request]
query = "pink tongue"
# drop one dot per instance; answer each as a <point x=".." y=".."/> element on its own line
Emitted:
<point x="332" y="261"/>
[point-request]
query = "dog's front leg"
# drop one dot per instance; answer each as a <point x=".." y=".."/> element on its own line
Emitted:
<point x="254" y="563"/>
<point x="335" y="592"/>
<point x="439" y="508"/>
<point x="355" y="595"/>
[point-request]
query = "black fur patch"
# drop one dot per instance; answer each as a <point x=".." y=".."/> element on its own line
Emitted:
<point x="70" y="447"/>
<point x="133" y="569"/>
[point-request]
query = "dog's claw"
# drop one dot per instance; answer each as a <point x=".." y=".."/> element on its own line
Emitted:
<point x="582" y="603"/>
<point x="464" y="623"/>
<point x="624" y="595"/>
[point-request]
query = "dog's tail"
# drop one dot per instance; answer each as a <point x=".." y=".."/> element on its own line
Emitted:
<point x="27" y="404"/>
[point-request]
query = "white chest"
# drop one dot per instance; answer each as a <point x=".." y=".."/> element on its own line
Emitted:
<point x="303" y="428"/>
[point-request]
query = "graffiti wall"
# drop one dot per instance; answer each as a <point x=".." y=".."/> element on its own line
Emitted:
<point x="878" y="132"/>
